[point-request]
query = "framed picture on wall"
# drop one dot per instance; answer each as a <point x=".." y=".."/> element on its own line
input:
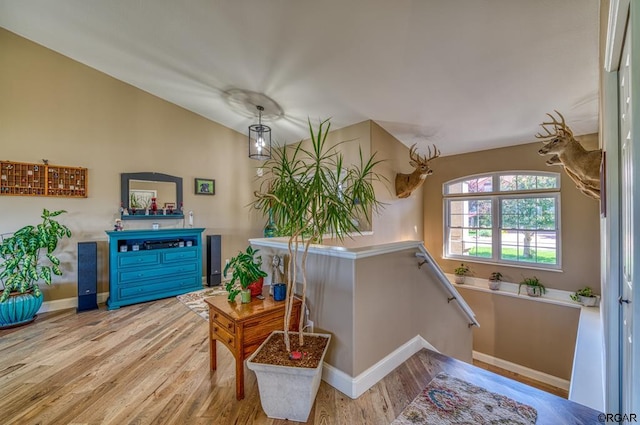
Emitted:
<point x="205" y="186"/>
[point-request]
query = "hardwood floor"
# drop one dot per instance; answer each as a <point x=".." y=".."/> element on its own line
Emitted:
<point x="560" y="392"/>
<point x="148" y="364"/>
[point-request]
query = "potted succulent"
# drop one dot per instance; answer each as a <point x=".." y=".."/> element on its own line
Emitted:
<point x="27" y="258"/>
<point x="460" y="273"/>
<point x="494" y="281"/>
<point x="310" y="194"/>
<point x="534" y="287"/>
<point x="247" y="276"/>
<point x="585" y="296"/>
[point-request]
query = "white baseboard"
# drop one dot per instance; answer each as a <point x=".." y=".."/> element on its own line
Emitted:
<point x="522" y="370"/>
<point x="355" y="387"/>
<point x="66" y="303"/>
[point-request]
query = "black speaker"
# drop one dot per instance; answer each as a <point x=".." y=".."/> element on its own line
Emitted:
<point x="87" y="276"/>
<point x="214" y="260"/>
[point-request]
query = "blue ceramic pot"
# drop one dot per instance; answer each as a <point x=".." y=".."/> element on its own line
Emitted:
<point x="19" y="309"/>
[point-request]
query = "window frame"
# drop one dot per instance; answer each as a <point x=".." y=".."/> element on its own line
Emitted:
<point x="496" y="196"/>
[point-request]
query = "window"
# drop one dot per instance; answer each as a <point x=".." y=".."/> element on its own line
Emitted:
<point x="507" y="217"/>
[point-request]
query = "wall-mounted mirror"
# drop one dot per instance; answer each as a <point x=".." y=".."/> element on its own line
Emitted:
<point x="138" y="190"/>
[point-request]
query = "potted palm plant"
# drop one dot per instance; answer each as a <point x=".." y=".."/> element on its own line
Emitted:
<point x="27" y="258"/>
<point x="533" y="285"/>
<point x="311" y="194"/>
<point x="247" y="275"/>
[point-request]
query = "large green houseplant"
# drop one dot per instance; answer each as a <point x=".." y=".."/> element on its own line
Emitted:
<point x="28" y="258"/>
<point x="311" y="194"/>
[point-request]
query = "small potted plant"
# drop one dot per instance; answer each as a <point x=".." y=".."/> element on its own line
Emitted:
<point x="585" y="296"/>
<point x="247" y="275"/>
<point x="460" y="273"/>
<point x="534" y="287"/>
<point x="494" y="281"/>
<point x="23" y="266"/>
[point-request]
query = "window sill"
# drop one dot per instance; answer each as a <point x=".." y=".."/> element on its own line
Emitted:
<point x="508" y="289"/>
<point x="468" y="259"/>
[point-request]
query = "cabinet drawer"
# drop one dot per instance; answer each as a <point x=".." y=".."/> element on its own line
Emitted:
<point x="134" y="259"/>
<point x="223" y="322"/>
<point x="225" y="337"/>
<point x="179" y="254"/>
<point x="160" y="286"/>
<point x="148" y="273"/>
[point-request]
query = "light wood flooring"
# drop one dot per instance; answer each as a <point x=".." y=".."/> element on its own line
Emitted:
<point x="148" y="364"/>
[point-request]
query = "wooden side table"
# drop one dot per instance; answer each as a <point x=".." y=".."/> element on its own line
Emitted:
<point x="243" y="327"/>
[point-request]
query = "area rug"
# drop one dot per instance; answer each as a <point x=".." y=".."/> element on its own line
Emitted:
<point x="449" y="400"/>
<point x="195" y="300"/>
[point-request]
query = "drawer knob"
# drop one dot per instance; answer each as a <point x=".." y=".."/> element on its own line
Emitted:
<point x="229" y="341"/>
<point x="215" y="315"/>
<point x="229" y="325"/>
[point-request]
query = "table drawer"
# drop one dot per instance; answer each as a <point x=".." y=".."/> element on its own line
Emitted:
<point x="223" y="336"/>
<point x="148" y="273"/>
<point x="224" y="322"/>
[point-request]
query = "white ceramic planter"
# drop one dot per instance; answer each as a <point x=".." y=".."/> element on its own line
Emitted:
<point x="459" y="279"/>
<point x="588" y="301"/>
<point x="494" y="285"/>
<point x="534" y="291"/>
<point x="287" y="392"/>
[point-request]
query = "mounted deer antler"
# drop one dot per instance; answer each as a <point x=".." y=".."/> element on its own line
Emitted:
<point x="582" y="166"/>
<point x="406" y="183"/>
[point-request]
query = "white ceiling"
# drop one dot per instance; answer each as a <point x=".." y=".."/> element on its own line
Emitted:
<point x="466" y="75"/>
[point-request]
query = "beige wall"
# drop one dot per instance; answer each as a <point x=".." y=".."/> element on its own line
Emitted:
<point x="536" y="335"/>
<point x="579" y="223"/>
<point x="525" y="332"/>
<point x="55" y="108"/>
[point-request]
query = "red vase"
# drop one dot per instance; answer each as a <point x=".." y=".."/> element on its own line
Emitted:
<point x="256" y="287"/>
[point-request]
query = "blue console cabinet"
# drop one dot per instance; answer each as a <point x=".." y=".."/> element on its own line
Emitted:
<point x="147" y="265"/>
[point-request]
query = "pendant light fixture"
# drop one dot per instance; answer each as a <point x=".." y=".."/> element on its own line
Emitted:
<point x="259" y="139"/>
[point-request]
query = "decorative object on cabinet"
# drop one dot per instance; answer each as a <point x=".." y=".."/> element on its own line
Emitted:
<point x="246" y="273"/>
<point x="205" y="186"/>
<point x="163" y="266"/>
<point x="23" y="267"/>
<point x="28" y="179"/>
<point x="138" y="189"/>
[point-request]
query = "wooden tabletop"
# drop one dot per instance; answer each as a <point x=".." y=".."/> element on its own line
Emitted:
<point x="238" y="311"/>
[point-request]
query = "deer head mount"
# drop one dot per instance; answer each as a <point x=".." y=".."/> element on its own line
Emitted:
<point x="582" y="166"/>
<point x="407" y="183"/>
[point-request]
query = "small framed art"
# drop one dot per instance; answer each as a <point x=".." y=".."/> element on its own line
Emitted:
<point x="205" y="186"/>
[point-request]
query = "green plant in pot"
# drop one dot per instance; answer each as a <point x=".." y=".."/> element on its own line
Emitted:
<point x="494" y="281"/>
<point x="585" y="296"/>
<point x="28" y="258"/>
<point x="533" y="285"/>
<point x="310" y="193"/>
<point x="460" y="273"/>
<point x="247" y="275"/>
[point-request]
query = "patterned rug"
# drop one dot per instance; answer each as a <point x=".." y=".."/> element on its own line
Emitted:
<point x="195" y="300"/>
<point x="449" y="400"/>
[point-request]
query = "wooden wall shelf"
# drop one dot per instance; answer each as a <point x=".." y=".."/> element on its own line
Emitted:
<point x="28" y="179"/>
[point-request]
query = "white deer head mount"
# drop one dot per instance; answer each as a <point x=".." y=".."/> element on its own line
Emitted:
<point x="407" y="183"/>
<point x="582" y="166"/>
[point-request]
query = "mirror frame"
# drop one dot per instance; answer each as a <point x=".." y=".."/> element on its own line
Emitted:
<point x="125" y="178"/>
